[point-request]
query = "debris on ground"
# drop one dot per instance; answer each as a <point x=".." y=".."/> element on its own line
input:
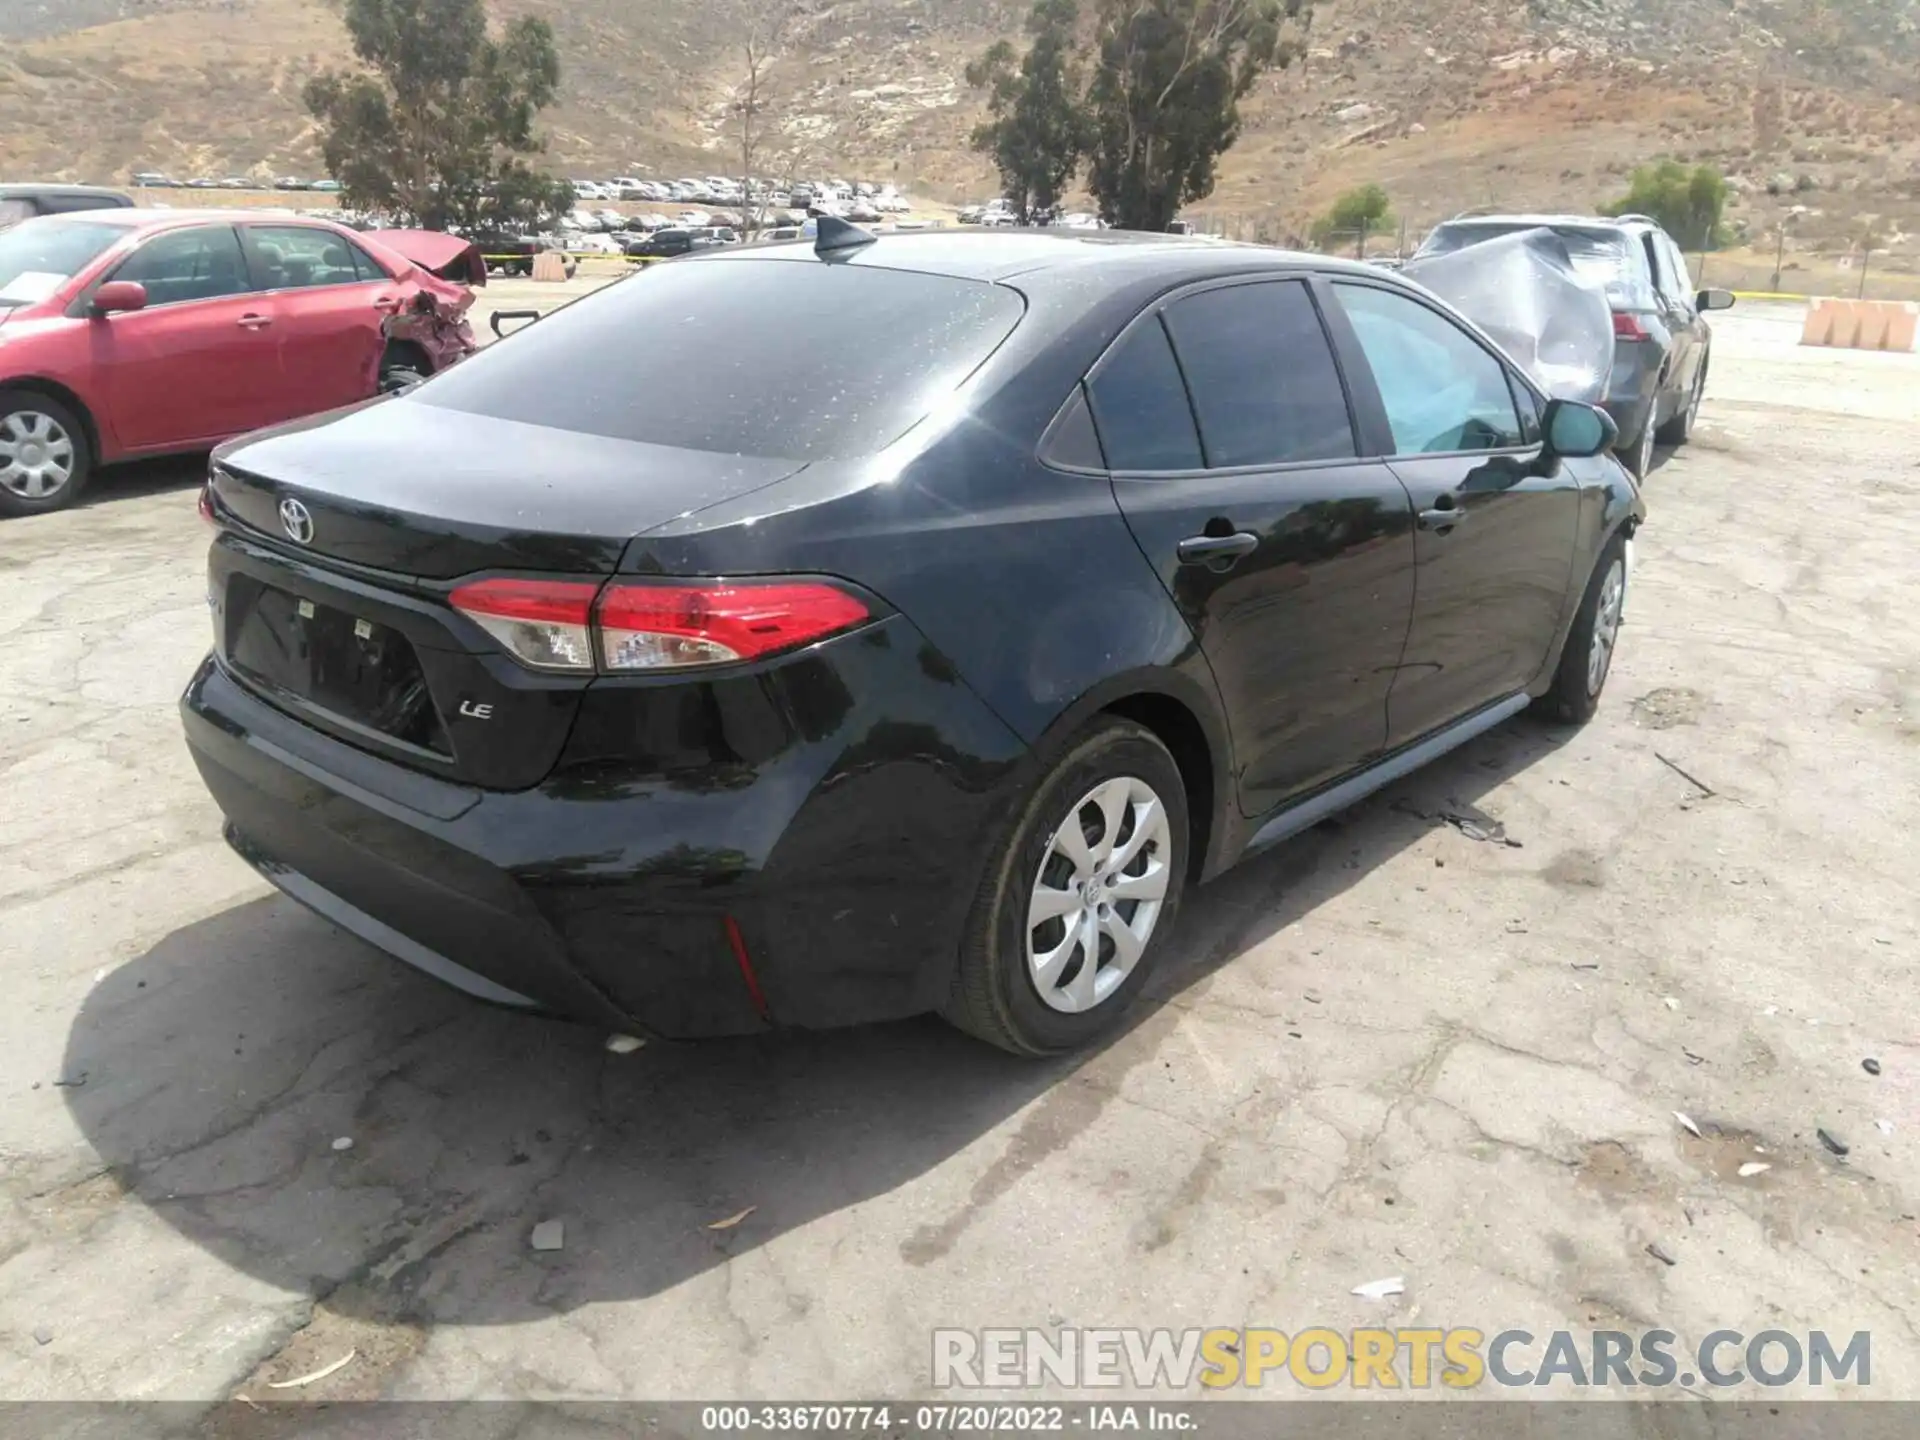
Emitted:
<point x="1833" y="1142"/>
<point x="624" y="1044"/>
<point x="1693" y="1059"/>
<point x="1870" y="1065"/>
<point x="1885" y="1127"/>
<point x="733" y="1220"/>
<point x="1381" y="1289"/>
<point x="1662" y="1256"/>
<point x="1669" y="1002"/>
<point x="320" y="1374"/>
<point x="1705" y="789"/>
<point x="1686" y="1123"/>
<point x="42" y="1335"/>
<point x="71" y="1082"/>
<point x="1589" y="965"/>
<point x="548" y="1235"/>
<point x="1469" y="820"/>
<point x="344" y="1142"/>
<point x="1753" y="1168"/>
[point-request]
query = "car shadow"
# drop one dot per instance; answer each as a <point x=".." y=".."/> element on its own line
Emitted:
<point x="130" y="478"/>
<point x="333" y="1123"/>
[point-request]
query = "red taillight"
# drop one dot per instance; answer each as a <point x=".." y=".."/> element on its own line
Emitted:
<point x="650" y="625"/>
<point x="668" y="626"/>
<point x="1628" y="327"/>
<point x="546" y="624"/>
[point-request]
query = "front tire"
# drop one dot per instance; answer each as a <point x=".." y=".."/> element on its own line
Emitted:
<point x="45" y="457"/>
<point x="1587" y="660"/>
<point x="1075" y="907"/>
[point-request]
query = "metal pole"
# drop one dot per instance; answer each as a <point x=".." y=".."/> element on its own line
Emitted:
<point x="1779" y="257"/>
<point x="1866" y="259"/>
<point x="1360" y="245"/>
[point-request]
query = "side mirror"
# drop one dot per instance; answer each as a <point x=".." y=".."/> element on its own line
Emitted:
<point x="1713" y="300"/>
<point x="1576" y="431"/>
<point x="117" y="295"/>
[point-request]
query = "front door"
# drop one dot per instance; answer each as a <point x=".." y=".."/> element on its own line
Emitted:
<point x="1494" y="537"/>
<point x="1234" y="458"/>
<point x="195" y="365"/>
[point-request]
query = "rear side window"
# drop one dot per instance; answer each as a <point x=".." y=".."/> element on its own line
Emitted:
<point x="1140" y="405"/>
<point x="295" y="257"/>
<point x="1262" y="376"/>
<point x="677" y="355"/>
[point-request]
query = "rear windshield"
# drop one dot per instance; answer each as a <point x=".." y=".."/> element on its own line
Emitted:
<point x="38" y="257"/>
<point x="1604" y="257"/>
<point x="799" y="360"/>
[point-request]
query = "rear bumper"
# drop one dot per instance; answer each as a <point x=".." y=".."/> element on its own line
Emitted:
<point x="842" y="866"/>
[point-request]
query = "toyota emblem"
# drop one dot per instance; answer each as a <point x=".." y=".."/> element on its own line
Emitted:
<point x="296" y="520"/>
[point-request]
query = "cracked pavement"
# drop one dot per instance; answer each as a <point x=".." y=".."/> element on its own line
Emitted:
<point x="1383" y="1049"/>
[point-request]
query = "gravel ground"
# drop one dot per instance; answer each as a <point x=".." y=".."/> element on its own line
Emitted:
<point x="1385" y="1049"/>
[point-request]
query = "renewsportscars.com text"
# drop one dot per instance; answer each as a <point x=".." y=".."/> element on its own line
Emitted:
<point x="1401" y="1359"/>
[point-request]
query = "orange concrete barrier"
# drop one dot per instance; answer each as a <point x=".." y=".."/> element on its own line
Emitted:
<point x="1861" y="324"/>
<point x="549" y="265"/>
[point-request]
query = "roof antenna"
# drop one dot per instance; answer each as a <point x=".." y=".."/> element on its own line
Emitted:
<point x="834" y="238"/>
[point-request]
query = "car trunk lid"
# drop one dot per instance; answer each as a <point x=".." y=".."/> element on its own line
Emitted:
<point x="343" y="539"/>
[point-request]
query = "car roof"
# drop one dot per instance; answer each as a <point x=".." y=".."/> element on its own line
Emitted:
<point x="1585" y="222"/>
<point x="1003" y="253"/>
<point x="145" y="218"/>
<point x="23" y="189"/>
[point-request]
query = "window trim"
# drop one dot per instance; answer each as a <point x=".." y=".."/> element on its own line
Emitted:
<point x="1386" y="449"/>
<point x="246" y="246"/>
<point x="83" y="303"/>
<point x="1155" y="310"/>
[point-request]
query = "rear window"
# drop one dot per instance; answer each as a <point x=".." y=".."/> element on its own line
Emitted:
<point x="679" y="356"/>
<point x="1604" y="257"/>
<point x="38" y="257"/>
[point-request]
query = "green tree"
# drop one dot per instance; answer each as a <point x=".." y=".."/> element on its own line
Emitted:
<point x="1689" y="204"/>
<point x="1037" y="132"/>
<point x="1164" y="102"/>
<point x="1363" y="210"/>
<point x="437" y="125"/>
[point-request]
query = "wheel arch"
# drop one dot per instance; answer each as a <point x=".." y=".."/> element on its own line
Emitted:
<point x="1186" y="720"/>
<point x="54" y="390"/>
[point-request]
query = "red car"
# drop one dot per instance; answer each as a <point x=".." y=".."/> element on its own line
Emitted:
<point x="148" y="332"/>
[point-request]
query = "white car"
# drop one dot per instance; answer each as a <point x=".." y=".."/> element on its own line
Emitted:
<point x="694" y="219"/>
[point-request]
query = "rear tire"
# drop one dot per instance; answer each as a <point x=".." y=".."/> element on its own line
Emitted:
<point x="46" y="458"/>
<point x="1638" y="458"/>
<point x="1679" y="430"/>
<point x="1102" y="919"/>
<point x="1587" y="660"/>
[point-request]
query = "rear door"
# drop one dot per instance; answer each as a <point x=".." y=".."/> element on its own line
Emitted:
<point x="1494" y="537"/>
<point x="197" y="364"/>
<point x="1227" y="430"/>
<point x="331" y="305"/>
<point x="1682" y="314"/>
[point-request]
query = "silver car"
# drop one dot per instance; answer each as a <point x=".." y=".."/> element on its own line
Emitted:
<point x="1662" y="342"/>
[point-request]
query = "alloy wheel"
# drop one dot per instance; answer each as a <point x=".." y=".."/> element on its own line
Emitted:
<point x="1606" y="625"/>
<point x="1098" y="894"/>
<point x="36" y="454"/>
<point x="1645" y="457"/>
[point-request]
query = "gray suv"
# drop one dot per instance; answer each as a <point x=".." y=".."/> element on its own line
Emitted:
<point x="1661" y="340"/>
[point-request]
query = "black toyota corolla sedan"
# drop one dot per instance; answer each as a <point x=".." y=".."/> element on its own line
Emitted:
<point x="704" y="685"/>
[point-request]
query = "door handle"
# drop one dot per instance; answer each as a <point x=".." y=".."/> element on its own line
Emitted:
<point x="1445" y="514"/>
<point x="1219" y="550"/>
<point x="255" y="322"/>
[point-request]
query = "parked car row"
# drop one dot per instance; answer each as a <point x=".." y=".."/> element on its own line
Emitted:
<point x="155" y="180"/>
